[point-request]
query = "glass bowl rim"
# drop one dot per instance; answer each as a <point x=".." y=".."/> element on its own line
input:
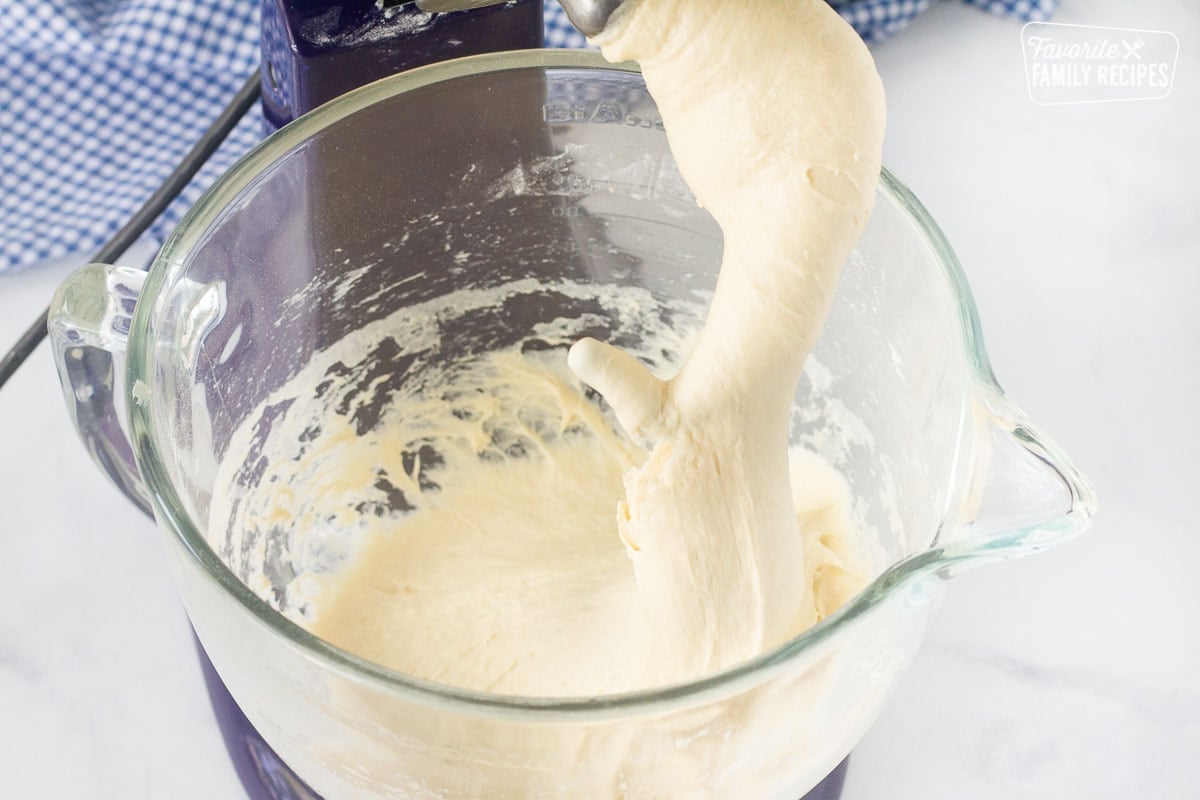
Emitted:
<point x="170" y="512"/>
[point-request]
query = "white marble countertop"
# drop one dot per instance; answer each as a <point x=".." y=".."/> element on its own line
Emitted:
<point x="1075" y="674"/>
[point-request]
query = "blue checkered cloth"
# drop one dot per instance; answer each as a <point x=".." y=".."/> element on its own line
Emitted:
<point x="100" y="99"/>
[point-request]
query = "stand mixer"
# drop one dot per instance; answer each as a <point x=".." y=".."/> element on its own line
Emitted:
<point x="229" y="269"/>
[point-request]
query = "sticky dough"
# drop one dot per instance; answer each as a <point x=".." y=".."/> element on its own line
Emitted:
<point x="598" y="558"/>
<point x="775" y="115"/>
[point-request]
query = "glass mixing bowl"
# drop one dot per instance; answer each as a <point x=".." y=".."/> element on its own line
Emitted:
<point x="545" y="168"/>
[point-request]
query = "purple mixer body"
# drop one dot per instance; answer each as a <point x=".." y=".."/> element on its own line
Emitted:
<point x="313" y="51"/>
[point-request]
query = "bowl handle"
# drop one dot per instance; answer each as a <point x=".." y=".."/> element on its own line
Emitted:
<point x="1024" y="494"/>
<point x="89" y="327"/>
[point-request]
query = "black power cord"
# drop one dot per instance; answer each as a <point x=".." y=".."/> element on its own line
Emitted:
<point x="121" y="241"/>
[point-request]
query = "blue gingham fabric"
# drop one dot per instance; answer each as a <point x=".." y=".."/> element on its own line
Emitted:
<point x="876" y="20"/>
<point x="100" y="99"/>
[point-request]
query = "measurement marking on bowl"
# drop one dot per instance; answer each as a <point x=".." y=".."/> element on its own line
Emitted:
<point x="602" y="112"/>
